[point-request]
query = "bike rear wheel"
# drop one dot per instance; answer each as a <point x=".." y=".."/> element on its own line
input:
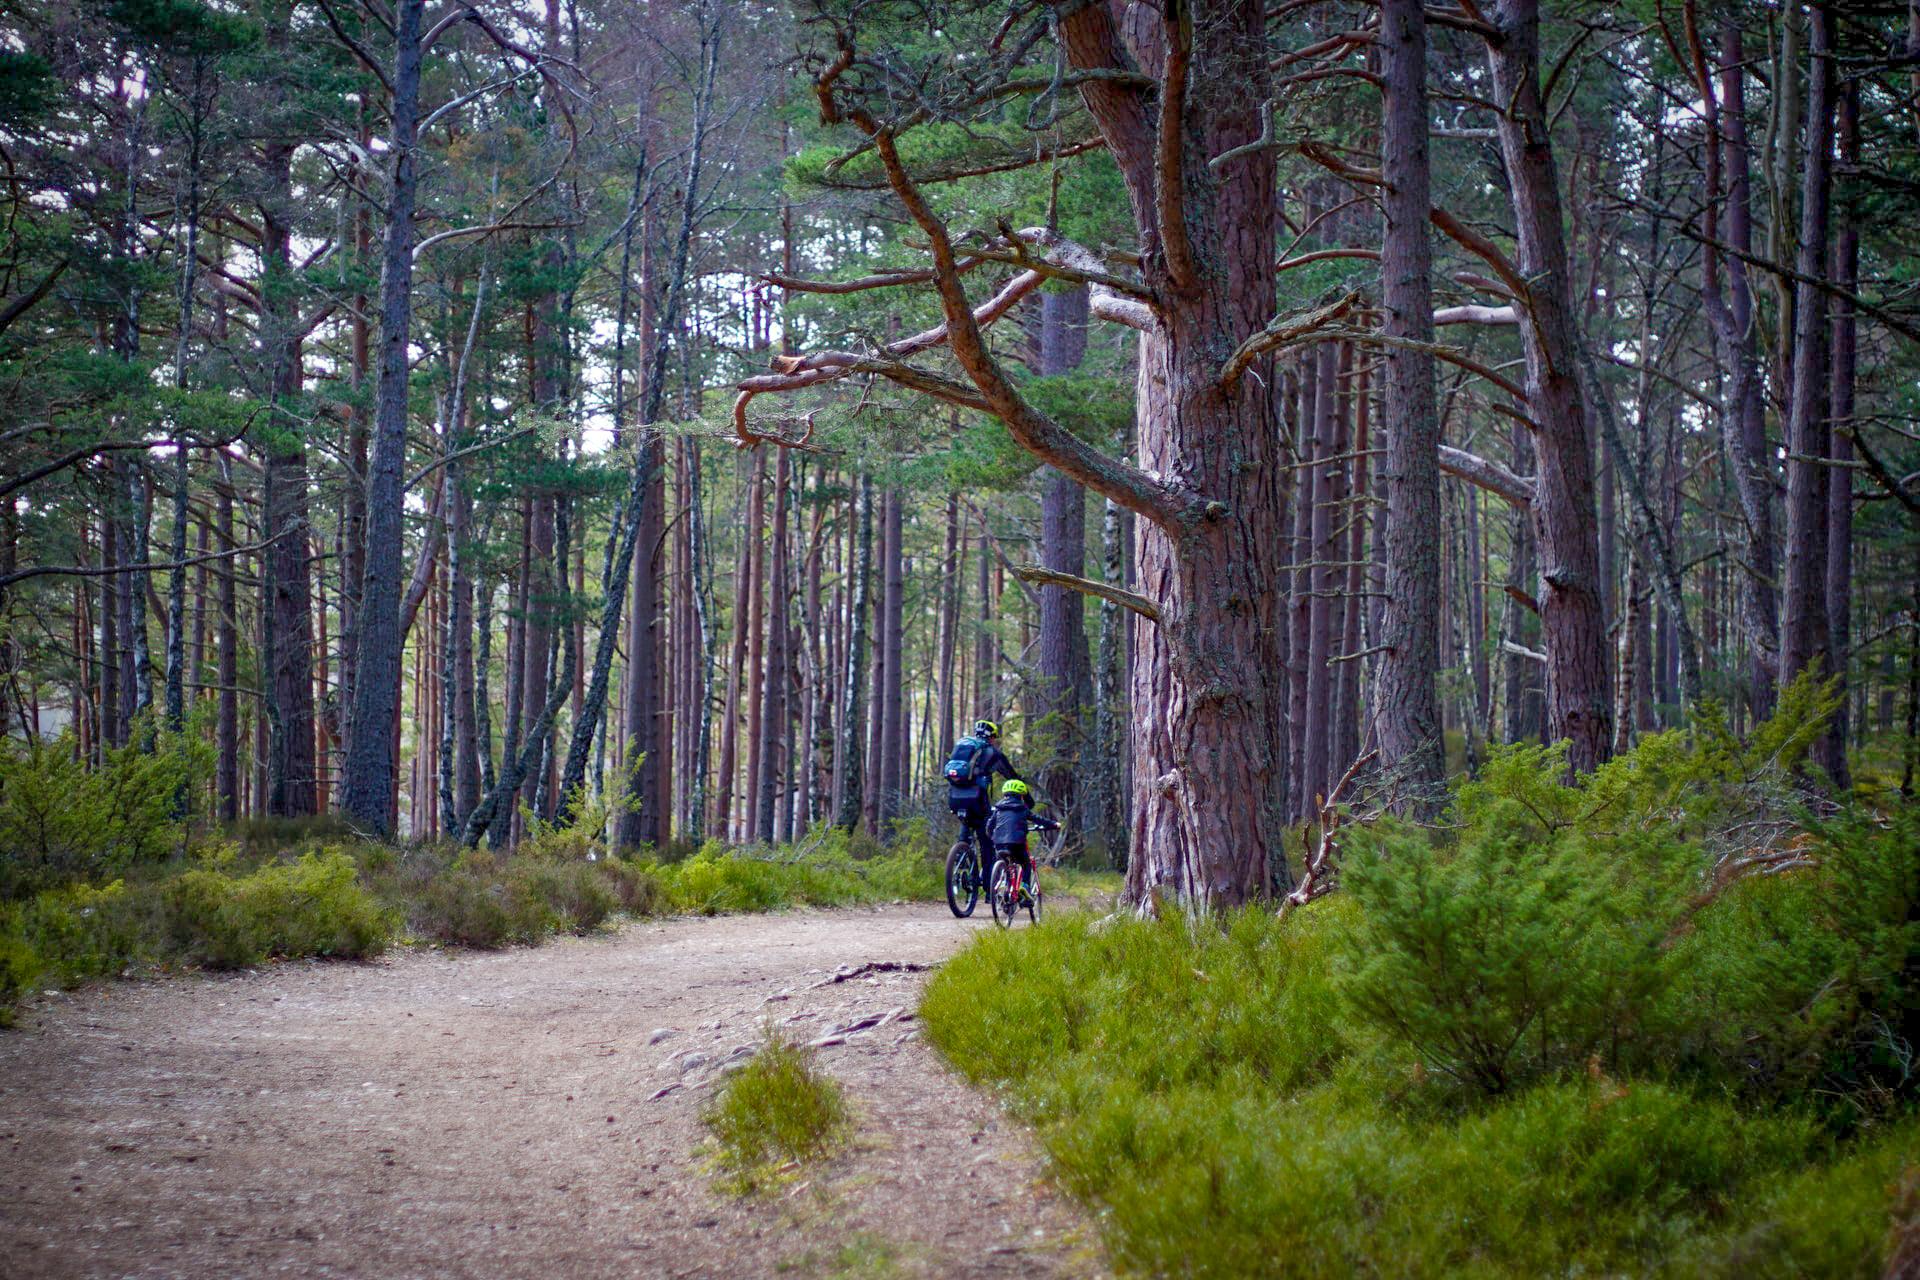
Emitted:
<point x="1000" y="896"/>
<point x="963" y="880"/>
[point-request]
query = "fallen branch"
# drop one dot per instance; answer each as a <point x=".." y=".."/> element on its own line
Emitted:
<point x="1315" y="878"/>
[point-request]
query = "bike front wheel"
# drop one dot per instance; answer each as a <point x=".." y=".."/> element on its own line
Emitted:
<point x="963" y="880"/>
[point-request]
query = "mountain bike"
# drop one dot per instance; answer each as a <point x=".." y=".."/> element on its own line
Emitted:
<point x="965" y="877"/>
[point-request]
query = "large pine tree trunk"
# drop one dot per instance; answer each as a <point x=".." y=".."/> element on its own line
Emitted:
<point x="853" y="789"/>
<point x="1743" y="418"/>
<point x="1806" y="641"/>
<point x="1832" y="750"/>
<point x="226" y="736"/>
<point x="1406" y="709"/>
<point x="1572" y="616"/>
<point x="775" y="740"/>
<point x="368" y="788"/>
<point x="1065" y="672"/>
<point x="893" y="720"/>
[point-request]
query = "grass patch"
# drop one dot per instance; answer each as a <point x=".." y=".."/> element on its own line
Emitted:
<point x="777" y="1112"/>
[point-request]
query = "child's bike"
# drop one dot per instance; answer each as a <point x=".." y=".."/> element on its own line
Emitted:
<point x="1013" y="888"/>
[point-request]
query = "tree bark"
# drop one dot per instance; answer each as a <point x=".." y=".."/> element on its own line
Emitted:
<point x="1064" y="670"/>
<point x="1806" y="641"/>
<point x="853" y="788"/>
<point x="367" y="794"/>
<point x="1406" y="709"/>
<point x="1832" y="749"/>
<point x="893" y="722"/>
<point x="1572" y="616"/>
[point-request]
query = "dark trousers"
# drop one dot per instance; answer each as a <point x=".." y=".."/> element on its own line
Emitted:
<point x="973" y="819"/>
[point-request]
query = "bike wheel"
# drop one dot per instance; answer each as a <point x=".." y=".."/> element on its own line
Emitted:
<point x="1033" y="899"/>
<point x="1000" y="899"/>
<point x="963" y="881"/>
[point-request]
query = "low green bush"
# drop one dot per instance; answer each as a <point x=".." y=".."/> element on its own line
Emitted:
<point x="63" y="822"/>
<point x="823" y="871"/>
<point x="779" y="1107"/>
<point x="313" y="906"/>
<point x="1212" y="1093"/>
<point x="1646" y="1022"/>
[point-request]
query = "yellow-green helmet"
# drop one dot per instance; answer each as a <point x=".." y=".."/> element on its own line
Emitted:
<point x="986" y="728"/>
<point x="1014" y="787"/>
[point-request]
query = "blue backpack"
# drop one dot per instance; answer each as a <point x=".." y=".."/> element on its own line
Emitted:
<point x="962" y="769"/>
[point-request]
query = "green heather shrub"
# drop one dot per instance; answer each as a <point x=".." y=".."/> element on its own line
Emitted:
<point x="1811" y="978"/>
<point x="1209" y="1090"/>
<point x="1544" y="923"/>
<point x="63" y="822"/>
<point x="477" y="898"/>
<point x="821" y="871"/>
<point x="314" y="906"/>
<point x="1555" y="1035"/>
<point x="779" y="1107"/>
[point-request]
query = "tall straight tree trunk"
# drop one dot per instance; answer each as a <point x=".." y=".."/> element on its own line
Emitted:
<point x="1524" y="693"/>
<point x="854" y="688"/>
<point x="226" y="736"/>
<point x="1109" y="725"/>
<point x="1744" y="426"/>
<point x="697" y="555"/>
<point x="1806" y="638"/>
<point x="288" y="656"/>
<point x="756" y="649"/>
<point x="986" y="689"/>
<point x="952" y="566"/>
<point x="175" y="701"/>
<point x="729" y="772"/>
<point x="1324" y="505"/>
<point x="1572" y="616"/>
<point x="1346" y="692"/>
<point x="1065" y="672"/>
<point x="775" y="739"/>
<point x="1300" y="592"/>
<point x="1406" y="708"/>
<point x="367" y="794"/>
<point x="109" y="656"/>
<point x="1832" y="751"/>
<point x="893" y="720"/>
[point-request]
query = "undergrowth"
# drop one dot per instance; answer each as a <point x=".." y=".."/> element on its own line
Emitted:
<point x="121" y="883"/>
<point x="1557" y="1035"/>
<point x="777" y="1112"/>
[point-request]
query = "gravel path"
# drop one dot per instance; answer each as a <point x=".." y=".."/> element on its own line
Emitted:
<point x="493" y="1114"/>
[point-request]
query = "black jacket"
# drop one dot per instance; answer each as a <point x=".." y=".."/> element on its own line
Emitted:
<point x="1007" y="822"/>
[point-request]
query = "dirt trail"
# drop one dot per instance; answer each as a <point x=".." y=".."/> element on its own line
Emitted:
<point x="488" y="1115"/>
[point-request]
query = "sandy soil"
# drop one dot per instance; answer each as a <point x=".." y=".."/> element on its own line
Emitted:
<point x="493" y="1114"/>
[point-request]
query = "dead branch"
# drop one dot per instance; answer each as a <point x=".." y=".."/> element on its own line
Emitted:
<point x="1315" y="878"/>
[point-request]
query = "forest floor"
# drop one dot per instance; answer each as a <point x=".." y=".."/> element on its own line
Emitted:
<point x="460" y="1113"/>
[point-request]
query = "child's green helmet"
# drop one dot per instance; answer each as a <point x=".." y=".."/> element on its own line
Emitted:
<point x="1014" y="788"/>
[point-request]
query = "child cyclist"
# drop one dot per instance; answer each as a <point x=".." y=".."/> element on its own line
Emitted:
<point x="1007" y="825"/>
